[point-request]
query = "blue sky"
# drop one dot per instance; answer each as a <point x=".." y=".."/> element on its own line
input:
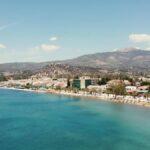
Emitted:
<point x="45" y="30"/>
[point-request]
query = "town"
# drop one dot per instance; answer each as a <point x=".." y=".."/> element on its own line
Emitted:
<point x="125" y="90"/>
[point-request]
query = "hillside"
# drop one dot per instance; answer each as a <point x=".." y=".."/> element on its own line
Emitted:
<point x="22" y="66"/>
<point x="126" y="59"/>
<point x="138" y="59"/>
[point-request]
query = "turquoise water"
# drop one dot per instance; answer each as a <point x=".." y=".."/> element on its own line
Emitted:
<point x="31" y="121"/>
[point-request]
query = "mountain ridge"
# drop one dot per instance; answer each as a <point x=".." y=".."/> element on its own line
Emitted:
<point x="128" y="58"/>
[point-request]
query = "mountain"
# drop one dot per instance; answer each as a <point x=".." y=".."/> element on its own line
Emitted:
<point x="22" y="66"/>
<point x="129" y="58"/>
<point x="64" y="70"/>
<point x="124" y="59"/>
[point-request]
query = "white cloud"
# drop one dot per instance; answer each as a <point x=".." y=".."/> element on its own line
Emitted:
<point x="46" y="48"/>
<point x="54" y="38"/>
<point x="115" y="49"/>
<point x="127" y="49"/>
<point x="2" y="46"/>
<point x="49" y="48"/>
<point x="147" y="49"/>
<point x="139" y="38"/>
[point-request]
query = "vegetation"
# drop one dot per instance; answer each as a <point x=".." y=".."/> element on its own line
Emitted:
<point x="2" y="78"/>
<point x="117" y="89"/>
<point x="103" y="81"/>
<point x="23" y="75"/>
<point x="28" y="86"/>
<point x="145" y="83"/>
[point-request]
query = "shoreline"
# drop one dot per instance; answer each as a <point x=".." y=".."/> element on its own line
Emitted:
<point x="103" y="97"/>
<point x="25" y="90"/>
<point x="138" y="101"/>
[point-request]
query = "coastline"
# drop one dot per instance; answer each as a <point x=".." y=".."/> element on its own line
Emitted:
<point x="109" y="98"/>
<point x="137" y="101"/>
<point x="25" y="90"/>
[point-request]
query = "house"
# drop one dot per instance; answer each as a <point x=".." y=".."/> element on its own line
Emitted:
<point x="61" y="83"/>
<point x="143" y="89"/>
<point x="95" y="81"/>
<point x="126" y="82"/>
<point x="144" y="79"/>
<point x="114" y="82"/>
<point x="131" y="89"/>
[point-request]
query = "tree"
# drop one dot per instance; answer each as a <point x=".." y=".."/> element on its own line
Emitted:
<point x="145" y="83"/>
<point x="76" y="77"/>
<point x="117" y="89"/>
<point x="103" y="81"/>
<point x="28" y="86"/>
<point x="2" y="78"/>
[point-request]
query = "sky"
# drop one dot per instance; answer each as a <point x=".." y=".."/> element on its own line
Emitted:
<point x="46" y="30"/>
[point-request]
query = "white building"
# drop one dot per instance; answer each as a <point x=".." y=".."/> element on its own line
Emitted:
<point x="131" y="89"/>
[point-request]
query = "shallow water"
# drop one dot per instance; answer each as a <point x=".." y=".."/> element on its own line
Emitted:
<point x="30" y="121"/>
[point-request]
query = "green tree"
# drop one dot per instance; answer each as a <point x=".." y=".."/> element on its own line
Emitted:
<point x="103" y="81"/>
<point x="28" y="86"/>
<point x="117" y="89"/>
<point x="2" y="78"/>
<point x="145" y="83"/>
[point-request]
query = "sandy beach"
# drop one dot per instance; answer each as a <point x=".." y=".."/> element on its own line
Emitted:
<point x="140" y="101"/>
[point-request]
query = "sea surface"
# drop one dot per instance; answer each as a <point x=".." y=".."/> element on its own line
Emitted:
<point x="30" y="121"/>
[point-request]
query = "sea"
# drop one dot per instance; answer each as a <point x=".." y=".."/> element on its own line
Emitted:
<point x="32" y="121"/>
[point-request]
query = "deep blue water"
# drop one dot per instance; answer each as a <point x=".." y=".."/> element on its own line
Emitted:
<point x="30" y="121"/>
